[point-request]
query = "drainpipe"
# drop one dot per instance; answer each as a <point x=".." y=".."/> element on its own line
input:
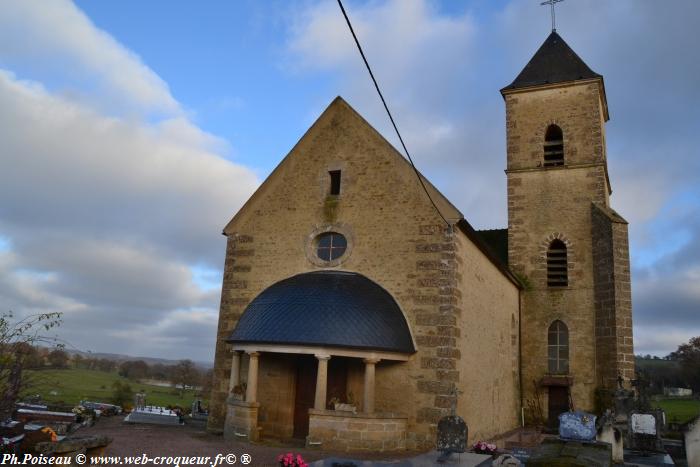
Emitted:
<point x="520" y="356"/>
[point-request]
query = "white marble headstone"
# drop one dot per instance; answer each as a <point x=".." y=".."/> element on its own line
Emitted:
<point x="643" y="423"/>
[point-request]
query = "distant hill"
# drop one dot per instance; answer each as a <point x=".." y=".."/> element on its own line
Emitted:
<point x="655" y="363"/>
<point x="123" y="358"/>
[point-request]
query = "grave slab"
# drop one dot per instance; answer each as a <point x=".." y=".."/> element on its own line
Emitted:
<point x="466" y="459"/>
<point x="153" y="415"/>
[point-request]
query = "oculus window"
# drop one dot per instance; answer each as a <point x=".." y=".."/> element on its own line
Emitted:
<point x="331" y="246"/>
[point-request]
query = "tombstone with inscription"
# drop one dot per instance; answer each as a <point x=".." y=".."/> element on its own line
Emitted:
<point x="644" y="431"/>
<point x="579" y="426"/>
<point x="576" y="446"/>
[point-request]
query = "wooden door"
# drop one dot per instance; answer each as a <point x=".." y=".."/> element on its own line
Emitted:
<point x="305" y="394"/>
<point x="558" y="404"/>
<point x="337" y="380"/>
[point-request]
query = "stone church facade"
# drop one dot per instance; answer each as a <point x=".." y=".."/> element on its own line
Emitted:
<point x="354" y="317"/>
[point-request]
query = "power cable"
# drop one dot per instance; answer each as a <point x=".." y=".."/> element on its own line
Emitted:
<point x="391" y="118"/>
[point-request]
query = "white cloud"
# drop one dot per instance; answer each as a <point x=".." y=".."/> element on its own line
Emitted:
<point x="440" y="73"/>
<point x="58" y="35"/>
<point x="115" y="201"/>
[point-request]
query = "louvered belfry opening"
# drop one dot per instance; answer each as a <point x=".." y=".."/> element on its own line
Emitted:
<point x="557" y="274"/>
<point x="553" y="147"/>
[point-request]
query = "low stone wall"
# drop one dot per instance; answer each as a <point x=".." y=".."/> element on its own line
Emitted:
<point x="242" y="420"/>
<point x="345" y="431"/>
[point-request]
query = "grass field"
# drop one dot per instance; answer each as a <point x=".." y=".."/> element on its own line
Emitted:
<point x="72" y="385"/>
<point x="680" y="410"/>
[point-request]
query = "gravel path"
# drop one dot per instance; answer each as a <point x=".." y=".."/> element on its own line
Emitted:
<point x="192" y="440"/>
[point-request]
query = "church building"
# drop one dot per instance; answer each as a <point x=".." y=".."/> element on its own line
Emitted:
<point x="359" y="306"/>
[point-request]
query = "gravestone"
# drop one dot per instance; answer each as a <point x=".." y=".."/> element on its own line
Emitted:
<point x="692" y="442"/>
<point x="452" y="434"/>
<point x="576" y="446"/>
<point x="611" y="435"/>
<point x="451" y="431"/>
<point x="579" y="426"/>
<point x="645" y="431"/>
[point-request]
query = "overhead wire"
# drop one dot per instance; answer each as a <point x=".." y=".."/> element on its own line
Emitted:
<point x="391" y="118"/>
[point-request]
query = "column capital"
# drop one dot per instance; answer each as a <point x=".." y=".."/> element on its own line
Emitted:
<point x="322" y="356"/>
<point x="371" y="361"/>
<point x="253" y="353"/>
<point x="235" y="351"/>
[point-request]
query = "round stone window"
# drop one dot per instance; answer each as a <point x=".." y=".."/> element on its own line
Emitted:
<point x="331" y="246"/>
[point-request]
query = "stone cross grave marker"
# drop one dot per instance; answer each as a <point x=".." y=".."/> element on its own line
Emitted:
<point x="578" y="426"/>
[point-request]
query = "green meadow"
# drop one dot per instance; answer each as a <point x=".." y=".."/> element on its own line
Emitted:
<point x="70" y="386"/>
<point x="680" y="410"/>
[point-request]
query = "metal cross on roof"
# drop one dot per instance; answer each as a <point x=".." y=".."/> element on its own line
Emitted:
<point x="551" y="4"/>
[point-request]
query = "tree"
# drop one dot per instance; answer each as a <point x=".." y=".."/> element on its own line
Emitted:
<point x="32" y="357"/>
<point x="17" y="341"/>
<point x="184" y="374"/>
<point x="134" y="369"/>
<point x="688" y="357"/>
<point x="106" y="365"/>
<point x="207" y="383"/>
<point x="78" y="361"/>
<point x="122" y="393"/>
<point x="58" y="358"/>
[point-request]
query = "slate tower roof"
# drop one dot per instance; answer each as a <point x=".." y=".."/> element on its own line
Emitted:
<point x="554" y="62"/>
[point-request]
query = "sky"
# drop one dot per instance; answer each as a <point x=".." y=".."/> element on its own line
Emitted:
<point x="131" y="132"/>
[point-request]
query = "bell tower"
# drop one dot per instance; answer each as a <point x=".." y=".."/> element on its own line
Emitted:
<point x="564" y="241"/>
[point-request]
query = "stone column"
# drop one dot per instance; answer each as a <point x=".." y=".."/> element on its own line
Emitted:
<point x="235" y="379"/>
<point x="251" y="394"/>
<point x="321" y="382"/>
<point x="368" y="405"/>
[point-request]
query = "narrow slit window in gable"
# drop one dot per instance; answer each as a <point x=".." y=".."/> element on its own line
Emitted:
<point x="335" y="181"/>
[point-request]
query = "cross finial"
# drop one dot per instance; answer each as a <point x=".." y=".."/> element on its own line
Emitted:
<point x="551" y="4"/>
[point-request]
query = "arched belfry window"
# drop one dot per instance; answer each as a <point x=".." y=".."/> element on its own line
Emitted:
<point x="558" y="348"/>
<point x="557" y="269"/>
<point x="553" y="146"/>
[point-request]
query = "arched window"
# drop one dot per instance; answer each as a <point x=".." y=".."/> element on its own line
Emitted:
<point x="557" y="274"/>
<point x="553" y="146"/>
<point x="558" y="348"/>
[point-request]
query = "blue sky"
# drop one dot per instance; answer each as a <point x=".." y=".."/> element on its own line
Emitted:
<point x="134" y="130"/>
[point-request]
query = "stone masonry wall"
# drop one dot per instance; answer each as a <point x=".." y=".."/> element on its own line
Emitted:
<point x="488" y="370"/>
<point x="623" y="301"/>
<point x="395" y="239"/>
<point x="547" y="203"/>
<point x="356" y="432"/>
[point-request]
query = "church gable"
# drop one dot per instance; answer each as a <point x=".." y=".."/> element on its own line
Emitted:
<point x="341" y="148"/>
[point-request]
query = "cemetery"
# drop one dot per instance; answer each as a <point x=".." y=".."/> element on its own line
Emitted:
<point x="633" y="438"/>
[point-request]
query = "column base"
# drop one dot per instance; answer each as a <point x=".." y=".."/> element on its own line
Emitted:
<point x="242" y="420"/>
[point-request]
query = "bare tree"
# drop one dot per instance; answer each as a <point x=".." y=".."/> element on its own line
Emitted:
<point x="184" y="374"/>
<point x="16" y="340"/>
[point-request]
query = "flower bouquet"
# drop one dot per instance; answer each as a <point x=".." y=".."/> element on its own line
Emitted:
<point x="290" y="460"/>
<point x="482" y="447"/>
